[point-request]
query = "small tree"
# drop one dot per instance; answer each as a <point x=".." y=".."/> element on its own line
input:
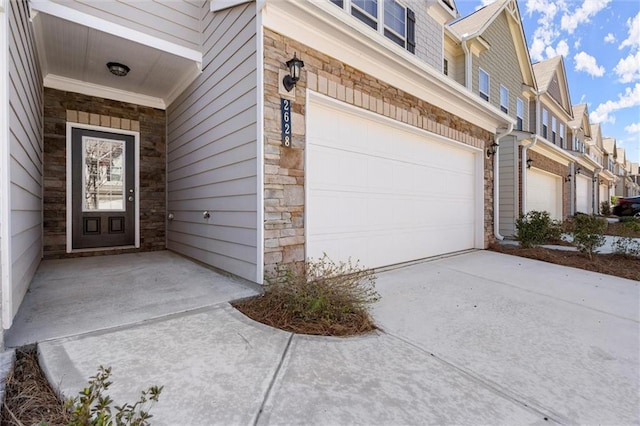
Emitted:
<point x="588" y="233"/>
<point x="605" y="208"/>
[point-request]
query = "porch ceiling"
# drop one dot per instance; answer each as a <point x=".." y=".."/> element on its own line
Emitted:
<point x="73" y="57"/>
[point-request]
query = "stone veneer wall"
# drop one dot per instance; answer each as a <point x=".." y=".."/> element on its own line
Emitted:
<point x="284" y="167"/>
<point x="544" y="163"/>
<point x="61" y="107"/>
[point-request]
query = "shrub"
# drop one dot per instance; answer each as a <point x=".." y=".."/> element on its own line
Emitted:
<point x="536" y="228"/>
<point x="93" y="407"/>
<point x="629" y="220"/>
<point x="588" y="233"/>
<point x="626" y="246"/>
<point x="605" y="208"/>
<point x="328" y="298"/>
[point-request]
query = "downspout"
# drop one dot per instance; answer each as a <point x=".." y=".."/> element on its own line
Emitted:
<point x="523" y="179"/>
<point x="468" y="62"/>
<point x="496" y="183"/>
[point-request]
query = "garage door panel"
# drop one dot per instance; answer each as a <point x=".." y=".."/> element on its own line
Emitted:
<point x="583" y="194"/>
<point x="385" y="195"/>
<point x="544" y="193"/>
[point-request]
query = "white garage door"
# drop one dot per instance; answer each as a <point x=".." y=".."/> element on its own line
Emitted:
<point x="544" y="193"/>
<point x="604" y="194"/>
<point x="382" y="193"/>
<point x="583" y="195"/>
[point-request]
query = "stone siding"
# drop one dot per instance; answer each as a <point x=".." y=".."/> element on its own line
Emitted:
<point x="61" y="107"/>
<point x="284" y="200"/>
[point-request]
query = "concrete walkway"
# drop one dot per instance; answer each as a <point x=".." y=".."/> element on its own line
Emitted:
<point x="477" y="338"/>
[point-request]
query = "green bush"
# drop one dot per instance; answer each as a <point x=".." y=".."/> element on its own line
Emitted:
<point x="536" y="228"/>
<point x="605" y="208"/>
<point x="630" y="221"/>
<point x="588" y="233"/>
<point x="327" y="291"/>
<point x="626" y="246"/>
<point x="93" y="407"/>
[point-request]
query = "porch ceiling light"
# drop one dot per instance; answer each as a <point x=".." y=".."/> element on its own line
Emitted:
<point x="529" y="163"/>
<point x="118" y="69"/>
<point x="295" y="65"/>
<point x="492" y="149"/>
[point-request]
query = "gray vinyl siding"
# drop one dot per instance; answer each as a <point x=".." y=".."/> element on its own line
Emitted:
<point x="212" y="149"/>
<point x="176" y="21"/>
<point x="429" y="35"/>
<point x="502" y="65"/>
<point x="508" y="186"/>
<point x="26" y="151"/>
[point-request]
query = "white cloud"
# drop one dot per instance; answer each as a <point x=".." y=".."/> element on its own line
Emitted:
<point x="630" y="98"/>
<point x="610" y="38"/>
<point x="562" y="48"/>
<point x="628" y="69"/>
<point x="632" y="128"/>
<point x="571" y="19"/>
<point x="545" y="34"/>
<point x="587" y="63"/>
<point x="634" y="33"/>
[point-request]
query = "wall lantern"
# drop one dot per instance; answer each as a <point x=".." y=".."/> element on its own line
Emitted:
<point x="529" y="163"/>
<point x="578" y="170"/>
<point x="295" y="65"/>
<point x="492" y="149"/>
<point x="118" y="69"/>
<point x="568" y="178"/>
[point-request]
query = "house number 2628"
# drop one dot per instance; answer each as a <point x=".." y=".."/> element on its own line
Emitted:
<point x="285" y="108"/>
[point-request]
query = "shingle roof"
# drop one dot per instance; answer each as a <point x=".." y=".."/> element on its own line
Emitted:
<point x="544" y="72"/>
<point x="473" y="23"/>
<point x="609" y="145"/>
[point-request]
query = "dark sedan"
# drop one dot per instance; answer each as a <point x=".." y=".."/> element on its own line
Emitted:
<point x="627" y="206"/>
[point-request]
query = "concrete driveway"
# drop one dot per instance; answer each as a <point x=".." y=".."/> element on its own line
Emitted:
<point x="476" y="338"/>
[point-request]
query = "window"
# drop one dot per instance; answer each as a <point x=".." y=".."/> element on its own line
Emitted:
<point x="545" y="123"/>
<point x="519" y="114"/>
<point x="554" y="125"/>
<point x="504" y="99"/>
<point x="366" y="11"/>
<point x="445" y="67"/>
<point x="389" y="17"/>
<point x="483" y="84"/>
<point x="561" y="135"/>
<point x="395" y="22"/>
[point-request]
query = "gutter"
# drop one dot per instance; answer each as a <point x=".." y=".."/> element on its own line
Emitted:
<point x="496" y="184"/>
<point x="595" y="187"/>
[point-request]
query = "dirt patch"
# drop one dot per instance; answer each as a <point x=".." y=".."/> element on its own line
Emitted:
<point x="610" y="264"/>
<point x="272" y="311"/>
<point x="621" y="229"/>
<point x="29" y="399"/>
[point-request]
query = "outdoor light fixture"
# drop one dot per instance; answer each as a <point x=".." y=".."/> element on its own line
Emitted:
<point x="118" y="69"/>
<point x="492" y="149"/>
<point x="568" y="178"/>
<point x="529" y="163"/>
<point x="294" y="65"/>
<point x="578" y="170"/>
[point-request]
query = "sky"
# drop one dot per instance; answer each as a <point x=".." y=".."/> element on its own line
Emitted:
<point x="600" y="42"/>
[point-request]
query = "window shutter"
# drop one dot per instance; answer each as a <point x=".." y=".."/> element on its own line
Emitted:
<point x="411" y="31"/>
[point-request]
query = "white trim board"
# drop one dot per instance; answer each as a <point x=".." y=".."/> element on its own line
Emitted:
<point x="136" y="137"/>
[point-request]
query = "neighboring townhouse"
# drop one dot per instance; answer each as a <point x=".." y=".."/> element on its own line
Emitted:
<point x="134" y="126"/>
<point x="635" y="177"/>
<point x="586" y="169"/>
<point x="610" y="161"/>
<point x="606" y="178"/>
<point x="623" y="183"/>
<point x="487" y="53"/>
<point x="552" y="176"/>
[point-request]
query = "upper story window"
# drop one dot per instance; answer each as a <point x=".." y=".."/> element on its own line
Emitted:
<point x="545" y="123"/>
<point x="389" y="17"/>
<point x="554" y="127"/>
<point x="519" y="114"/>
<point x="504" y="99"/>
<point x="483" y="84"/>
<point x="561" y="133"/>
<point x="445" y="67"/>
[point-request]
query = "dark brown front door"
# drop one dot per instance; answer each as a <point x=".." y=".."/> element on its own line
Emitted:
<point x="103" y="189"/>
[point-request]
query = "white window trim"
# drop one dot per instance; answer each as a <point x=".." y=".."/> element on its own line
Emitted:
<point x="545" y="123"/>
<point x="480" y="92"/>
<point x="519" y="101"/>
<point x="554" y="129"/>
<point x="384" y="24"/>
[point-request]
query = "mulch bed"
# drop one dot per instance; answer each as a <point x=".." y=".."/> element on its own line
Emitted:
<point x="610" y="264"/>
<point x="29" y="399"/>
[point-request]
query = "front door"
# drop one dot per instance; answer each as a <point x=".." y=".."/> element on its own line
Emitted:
<point x="103" y="189"/>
